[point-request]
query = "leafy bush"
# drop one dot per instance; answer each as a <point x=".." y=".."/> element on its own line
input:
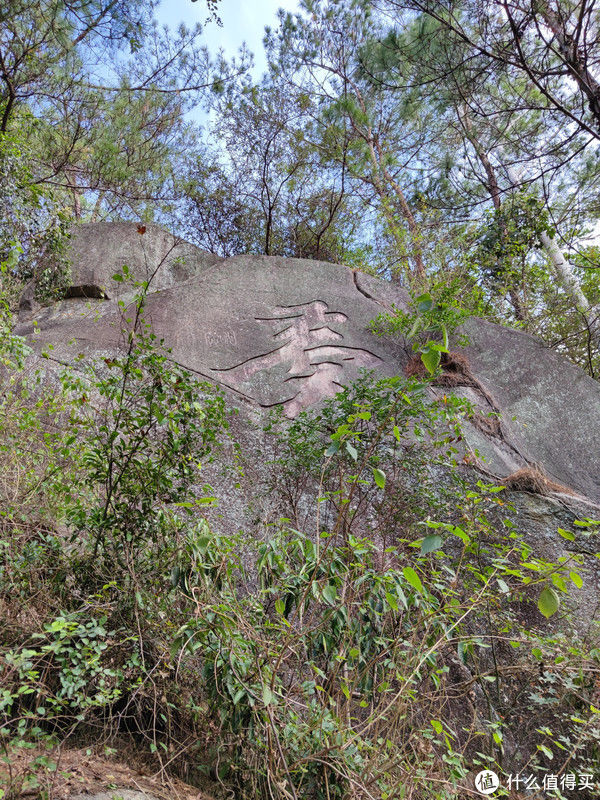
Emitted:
<point x="34" y="225"/>
<point x="100" y="471"/>
<point x="433" y="317"/>
<point x="386" y="639"/>
<point x="338" y="667"/>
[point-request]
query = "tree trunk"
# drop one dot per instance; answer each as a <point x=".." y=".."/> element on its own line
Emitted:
<point x="493" y="188"/>
<point x="376" y="157"/>
<point x="71" y="176"/>
<point x="574" y="58"/>
<point x="570" y="284"/>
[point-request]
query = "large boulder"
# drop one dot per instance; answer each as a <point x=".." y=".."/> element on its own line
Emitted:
<point x="98" y="250"/>
<point x="550" y="409"/>
<point x="288" y="331"/>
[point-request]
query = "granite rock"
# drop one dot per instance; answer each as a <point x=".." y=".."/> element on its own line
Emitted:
<point x="273" y="331"/>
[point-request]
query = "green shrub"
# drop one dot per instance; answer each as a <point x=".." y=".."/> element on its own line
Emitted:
<point x="388" y="637"/>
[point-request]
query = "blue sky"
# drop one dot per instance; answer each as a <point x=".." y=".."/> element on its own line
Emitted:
<point x="243" y="21"/>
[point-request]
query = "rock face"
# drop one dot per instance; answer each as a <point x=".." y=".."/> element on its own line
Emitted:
<point x="288" y="331"/>
<point x="550" y="409"/>
<point x="99" y="250"/>
<point x="273" y="331"/>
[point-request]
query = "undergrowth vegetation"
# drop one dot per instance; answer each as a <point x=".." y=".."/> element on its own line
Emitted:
<point x="388" y="638"/>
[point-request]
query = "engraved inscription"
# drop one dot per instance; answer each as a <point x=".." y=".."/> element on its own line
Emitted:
<point x="313" y="353"/>
<point x="214" y="338"/>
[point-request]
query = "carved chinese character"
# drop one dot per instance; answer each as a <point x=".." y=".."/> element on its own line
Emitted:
<point x="313" y="353"/>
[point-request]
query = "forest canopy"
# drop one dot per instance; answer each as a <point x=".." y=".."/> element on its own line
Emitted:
<point x="444" y="146"/>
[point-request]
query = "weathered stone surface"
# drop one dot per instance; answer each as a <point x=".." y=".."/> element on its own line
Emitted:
<point x="98" y="250"/>
<point x="289" y="331"/>
<point x="272" y="330"/>
<point x="550" y="409"/>
<point x="539" y="517"/>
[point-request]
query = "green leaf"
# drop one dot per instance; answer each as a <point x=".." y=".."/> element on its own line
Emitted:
<point x="267" y="696"/>
<point x="413" y="579"/>
<point x="379" y="476"/>
<point x="238" y="696"/>
<point x="445" y="335"/>
<point x="437" y="725"/>
<point x="332" y="449"/>
<point x="352" y="451"/>
<point x="280" y="605"/>
<point x="559" y="582"/>
<point x="545" y="750"/>
<point x="431" y="543"/>
<point x="401" y="596"/>
<point x="548" y="602"/>
<point x="576" y="578"/>
<point x="567" y="534"/>
<point x="424" y="303"/>
<point x="431" y="359"/>
<point x="330" y="594"/>
<point x="464" y="537"/>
